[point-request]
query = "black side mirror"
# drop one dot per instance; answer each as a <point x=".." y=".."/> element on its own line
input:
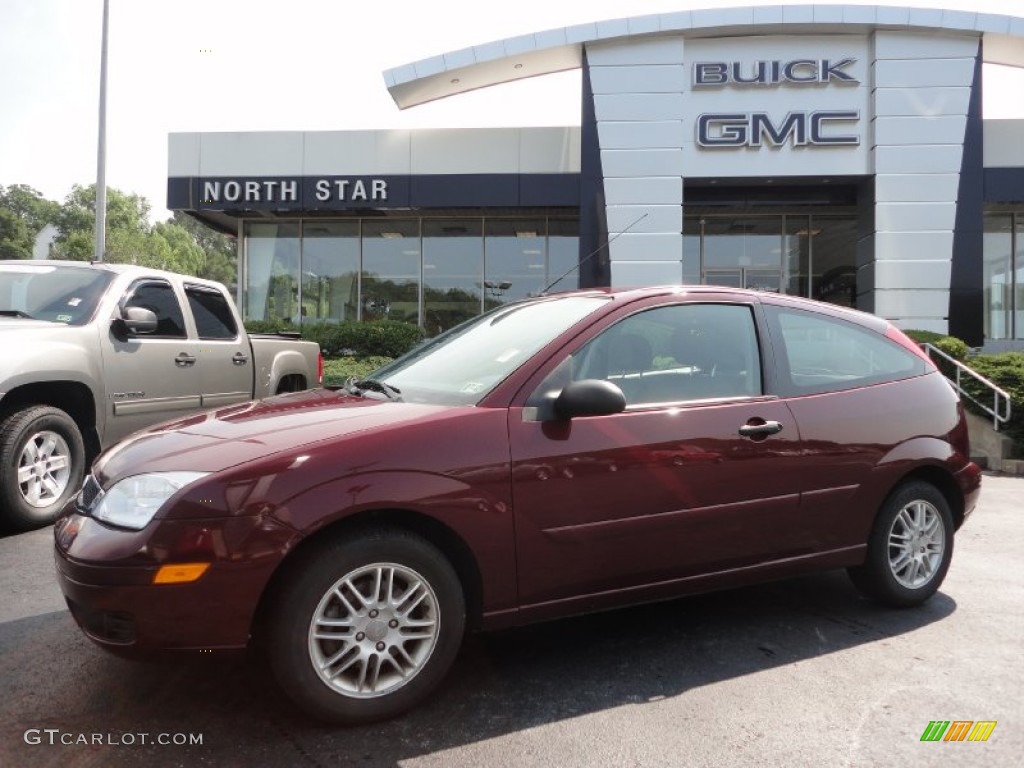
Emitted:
<point x="134" y="320"/>
<point x="589" y="397"/>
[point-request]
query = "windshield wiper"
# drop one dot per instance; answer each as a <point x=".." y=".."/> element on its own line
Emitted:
<point x="15" y="313"/>
<point x="358" y="386"/>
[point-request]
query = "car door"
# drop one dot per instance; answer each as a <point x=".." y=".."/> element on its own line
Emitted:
<point x="699" y="474"/>
<point x="150" y="377"/>
<point x="225" y="359"/>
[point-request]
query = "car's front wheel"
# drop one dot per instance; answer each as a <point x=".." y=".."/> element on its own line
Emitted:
<point x="910" y="547"/>
<point x="366" y="626"/>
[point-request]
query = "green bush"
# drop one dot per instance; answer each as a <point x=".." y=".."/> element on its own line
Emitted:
<point x="922" y="337"/>
<point x="386" y="338"/>
<point x="338" y="370"/>
<point x="951" y="345"/>
<point x="1006" y="371"/>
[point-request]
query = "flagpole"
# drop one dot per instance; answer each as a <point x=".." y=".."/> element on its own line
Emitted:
<point x="101" y="150"/>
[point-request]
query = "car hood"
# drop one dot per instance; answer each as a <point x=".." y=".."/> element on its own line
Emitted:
<point x="24" y="324"/>
<point x="217" y="440"/>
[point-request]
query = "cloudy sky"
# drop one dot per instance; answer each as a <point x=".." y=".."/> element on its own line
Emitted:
<point x="237" y="65"/>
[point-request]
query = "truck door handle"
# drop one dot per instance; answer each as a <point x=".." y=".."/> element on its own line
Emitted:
<point x="239" y="359"/>
<point x="184" y="360"/>
<point x="762" y="429"/>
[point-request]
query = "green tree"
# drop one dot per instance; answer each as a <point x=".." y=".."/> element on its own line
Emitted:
<point x="221" y="250"/>
<point x="23" y="212"/>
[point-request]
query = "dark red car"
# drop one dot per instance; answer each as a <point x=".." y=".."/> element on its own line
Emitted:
<point x="563" y="454"/>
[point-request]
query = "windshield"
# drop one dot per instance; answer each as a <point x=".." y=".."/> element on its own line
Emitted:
<point x="462" y="365"/>
<point x="46" y="292"/>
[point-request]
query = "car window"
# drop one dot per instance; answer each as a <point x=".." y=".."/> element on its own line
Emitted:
<point x="671" y="354"/>
<point x="826" y="354"/>
<point x="158" y="297"/>
<point x="211" y="312"/>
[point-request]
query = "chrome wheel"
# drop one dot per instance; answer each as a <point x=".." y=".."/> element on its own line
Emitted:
<point x="44" y="469"/>
<point x="916" y="544"/>
<point x="374" y="630"/>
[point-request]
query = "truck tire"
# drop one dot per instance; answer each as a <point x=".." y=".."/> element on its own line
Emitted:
<point x="42" y="462"/>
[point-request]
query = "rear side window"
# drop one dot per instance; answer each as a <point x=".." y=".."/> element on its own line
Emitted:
<point x="818" y="353"/>
<point x="212" y="313"/>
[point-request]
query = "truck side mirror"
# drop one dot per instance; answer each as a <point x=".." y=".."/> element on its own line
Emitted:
<point x="134" y="321"/>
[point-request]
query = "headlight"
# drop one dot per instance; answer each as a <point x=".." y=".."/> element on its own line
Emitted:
<point x="133" y="501"/>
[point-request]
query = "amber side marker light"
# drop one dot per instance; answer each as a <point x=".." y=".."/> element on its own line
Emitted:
<point x="181" y="573"/>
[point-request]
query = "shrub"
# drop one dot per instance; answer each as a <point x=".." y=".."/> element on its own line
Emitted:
<point x="337" y="371"/>
<point x="1006" y="371"/>
<point x="387" y="338"/>
<point x="951" y="345"/>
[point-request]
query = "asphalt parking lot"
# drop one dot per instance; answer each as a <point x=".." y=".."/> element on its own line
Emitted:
<point x="797" y="673"/>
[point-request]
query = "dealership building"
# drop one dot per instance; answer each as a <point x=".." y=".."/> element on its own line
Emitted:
<point x="830" y="151"/>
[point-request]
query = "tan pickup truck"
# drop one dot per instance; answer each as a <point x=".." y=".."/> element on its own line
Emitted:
<point x="92" y="352"/>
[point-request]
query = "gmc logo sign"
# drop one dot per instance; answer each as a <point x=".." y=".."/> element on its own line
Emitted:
<point x="757" y="129"/>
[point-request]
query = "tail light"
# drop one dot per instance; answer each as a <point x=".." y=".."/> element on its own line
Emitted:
<point x="320" y="369"/>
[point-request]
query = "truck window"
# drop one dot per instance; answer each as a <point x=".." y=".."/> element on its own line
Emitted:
<point x="212" y="313"/>
<point x="158" y="297"/>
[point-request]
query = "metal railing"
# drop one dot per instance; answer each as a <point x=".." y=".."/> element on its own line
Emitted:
<point x="999" y="416"/>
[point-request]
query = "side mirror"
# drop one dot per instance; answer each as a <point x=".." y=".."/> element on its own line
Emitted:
<point x="134" y="320"/>
<point x="589" y="397"/>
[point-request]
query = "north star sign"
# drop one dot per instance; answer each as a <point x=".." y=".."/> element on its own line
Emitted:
<point x="333" y="190"/>
<point x="801" y="128"/>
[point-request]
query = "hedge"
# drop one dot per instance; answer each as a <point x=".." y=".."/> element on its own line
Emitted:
<point x="374" y="338"/>
<point x="1006" y="371"/>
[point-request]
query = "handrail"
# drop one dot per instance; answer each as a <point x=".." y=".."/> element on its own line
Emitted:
<point x="997" y="417"/>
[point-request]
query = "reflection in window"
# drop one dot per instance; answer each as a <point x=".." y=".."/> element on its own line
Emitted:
<point x="515" y="261"/>
<point x="453" y="259"/>
<point x="272" y="271"/>
<point x="796" y="255"/>
<point x="834" y="247"/>
<point x="330" y="270"/>
<point x="998" y="277"/>
<point x="563" y="254"/>
<point x="391" y="270"/>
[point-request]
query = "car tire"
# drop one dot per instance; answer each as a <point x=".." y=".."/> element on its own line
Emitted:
<point x="364" y="627"/>
<point x="42" y="462"/>
<point x="910" y="547"/>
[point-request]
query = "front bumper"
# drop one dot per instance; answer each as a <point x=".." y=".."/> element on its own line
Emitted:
<point x="107" y="584"/>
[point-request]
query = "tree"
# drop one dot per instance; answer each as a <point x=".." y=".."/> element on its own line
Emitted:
<point x="23" y="213"/>
<point x="220" y="249"/>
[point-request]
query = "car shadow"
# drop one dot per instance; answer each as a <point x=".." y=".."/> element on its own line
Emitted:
<point x="501" y="683"/>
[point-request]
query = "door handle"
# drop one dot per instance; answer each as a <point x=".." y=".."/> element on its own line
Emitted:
<point x="763" y="429"/>
<point x="239" y="359"/>
<point x="184" y="360"/>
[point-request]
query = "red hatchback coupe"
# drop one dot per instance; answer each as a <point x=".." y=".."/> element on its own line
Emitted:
<point x="562" y="454"/>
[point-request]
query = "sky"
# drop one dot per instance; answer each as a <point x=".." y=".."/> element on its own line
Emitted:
<point x="248" y="65"/>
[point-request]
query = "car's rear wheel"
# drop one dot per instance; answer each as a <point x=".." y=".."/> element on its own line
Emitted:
<point x="910" y="547"/>
<point x="366" y="627"/>
<point x="42" y="462"/>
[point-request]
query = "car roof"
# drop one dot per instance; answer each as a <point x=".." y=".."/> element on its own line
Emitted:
<point x="104" y="266"/>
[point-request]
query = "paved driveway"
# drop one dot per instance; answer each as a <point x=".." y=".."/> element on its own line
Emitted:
<point x="799" y="673"/>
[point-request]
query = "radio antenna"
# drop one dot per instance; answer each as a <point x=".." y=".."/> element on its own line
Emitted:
<point x="596" y="251"/>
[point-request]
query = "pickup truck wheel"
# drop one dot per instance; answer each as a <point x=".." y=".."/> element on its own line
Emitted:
<point x="366" y="626"/>
<point x="42" y="462"/>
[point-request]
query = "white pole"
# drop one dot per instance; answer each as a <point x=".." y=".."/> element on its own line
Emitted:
<point x="101" y="150"/>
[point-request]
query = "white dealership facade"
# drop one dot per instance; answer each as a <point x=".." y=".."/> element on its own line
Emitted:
<point x="837" y="152"/>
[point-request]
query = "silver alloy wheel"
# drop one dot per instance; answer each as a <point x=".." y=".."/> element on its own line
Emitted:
<point x="44" y="468"/>
<point x="374" y="630"/>
<point x="917" y="541"/>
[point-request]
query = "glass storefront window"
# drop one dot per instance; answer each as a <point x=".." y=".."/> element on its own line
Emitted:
<point x="453" y="268"/>
<point x="391" y="270"/>
<point x="272" y="271"/>
<point x="691" y="249"/>
<point x="515" y="266"/>
<point x="998" y="276"/>
<point x="834" y="259"/>
<point x="563" y="254"/>
<point x="330" y="271"/>
<point x="796" y="255"/>
<point x="1018" y="289"/>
